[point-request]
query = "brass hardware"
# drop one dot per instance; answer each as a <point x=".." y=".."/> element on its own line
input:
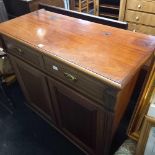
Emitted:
<point x="139" y="6"/>
<point x="40" y="45"/>
<point x="106" y="33"/>
<point x="134" y="30"/>
<point x="20" y="52"/>
<point x="70" y="77"/>
<point x="137" y="18"/>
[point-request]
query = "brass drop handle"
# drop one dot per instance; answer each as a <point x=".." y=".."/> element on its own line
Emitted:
<point x="70" y="77"/>
<point x="134" y="30"/>
<point x="139" y="6"/>
<point x="137" y="18"/>
<point x="20" y="52"/>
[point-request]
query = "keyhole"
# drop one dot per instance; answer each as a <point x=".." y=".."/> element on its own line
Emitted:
<point x="106" y="33"/>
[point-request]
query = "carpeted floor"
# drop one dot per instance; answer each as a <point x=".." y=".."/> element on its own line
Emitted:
<point x="25" y="133"/>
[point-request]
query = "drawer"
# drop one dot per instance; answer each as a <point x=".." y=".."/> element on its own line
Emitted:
<point x="140" y="17"/>
<point x="141" y="28"/>
<point x="141" y="5"/>
<point x="24" y="52"/>
<point x="76" y="80"/>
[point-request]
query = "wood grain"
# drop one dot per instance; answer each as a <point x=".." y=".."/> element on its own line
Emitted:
<point x="109" y="54"/>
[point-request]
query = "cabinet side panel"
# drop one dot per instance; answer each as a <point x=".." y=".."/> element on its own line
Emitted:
<point x="122" y="102"/>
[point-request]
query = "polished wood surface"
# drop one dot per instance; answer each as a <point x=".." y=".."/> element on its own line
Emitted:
<point x="109" y="54"/>
<point x="103" y="50"/>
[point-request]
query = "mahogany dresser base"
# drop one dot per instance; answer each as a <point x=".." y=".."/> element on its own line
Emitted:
<point x="74" y="76"/>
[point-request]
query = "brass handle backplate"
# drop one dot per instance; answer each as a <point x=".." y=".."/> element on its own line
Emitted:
<point x="70" y="77"/>
<point x="20" y="52"/>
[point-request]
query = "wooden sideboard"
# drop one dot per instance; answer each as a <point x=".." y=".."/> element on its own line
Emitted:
<point x="74" y="75"/>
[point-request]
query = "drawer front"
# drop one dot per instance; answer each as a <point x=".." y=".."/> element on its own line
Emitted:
<point x="24" y="52"/>
<point x="77" y="80"/>
<point x="140" y="18"/>
<point x="141" y="28"/>
<point x="141" y="5"/>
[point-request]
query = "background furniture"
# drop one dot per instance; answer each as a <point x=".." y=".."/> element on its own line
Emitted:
<point x="109" y="8"/>
<point x="86" y="6"/>
<point x="17" y="8"/>
<point x="104" y="8"/>
<point x="5" y="101"/>
<point x="113" y="9"/>
<point x="139" y="13"/>
<point x="100" y="20"/>
<point x="141" y="16"/>
<point x="146" y="140"/>
<point x="3" y="13"/>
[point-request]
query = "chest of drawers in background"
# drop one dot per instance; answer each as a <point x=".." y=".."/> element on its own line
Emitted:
<point x="140" y="14"/>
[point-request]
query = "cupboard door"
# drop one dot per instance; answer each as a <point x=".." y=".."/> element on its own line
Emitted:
<point x="78" y="117"/>
<point x="34" y="86"/>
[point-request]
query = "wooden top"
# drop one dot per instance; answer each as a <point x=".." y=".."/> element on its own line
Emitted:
<point x="109" y="54"/>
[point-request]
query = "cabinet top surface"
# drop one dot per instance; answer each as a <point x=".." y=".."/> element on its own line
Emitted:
<point x="111" y="54"/>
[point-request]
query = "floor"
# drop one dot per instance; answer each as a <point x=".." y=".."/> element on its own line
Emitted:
<point x="25" y="133"/>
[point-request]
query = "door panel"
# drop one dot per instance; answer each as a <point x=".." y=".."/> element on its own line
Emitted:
<point x="34" y="86"/>
<point x="77" y="119"/>
<point x="78" y="116"/>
